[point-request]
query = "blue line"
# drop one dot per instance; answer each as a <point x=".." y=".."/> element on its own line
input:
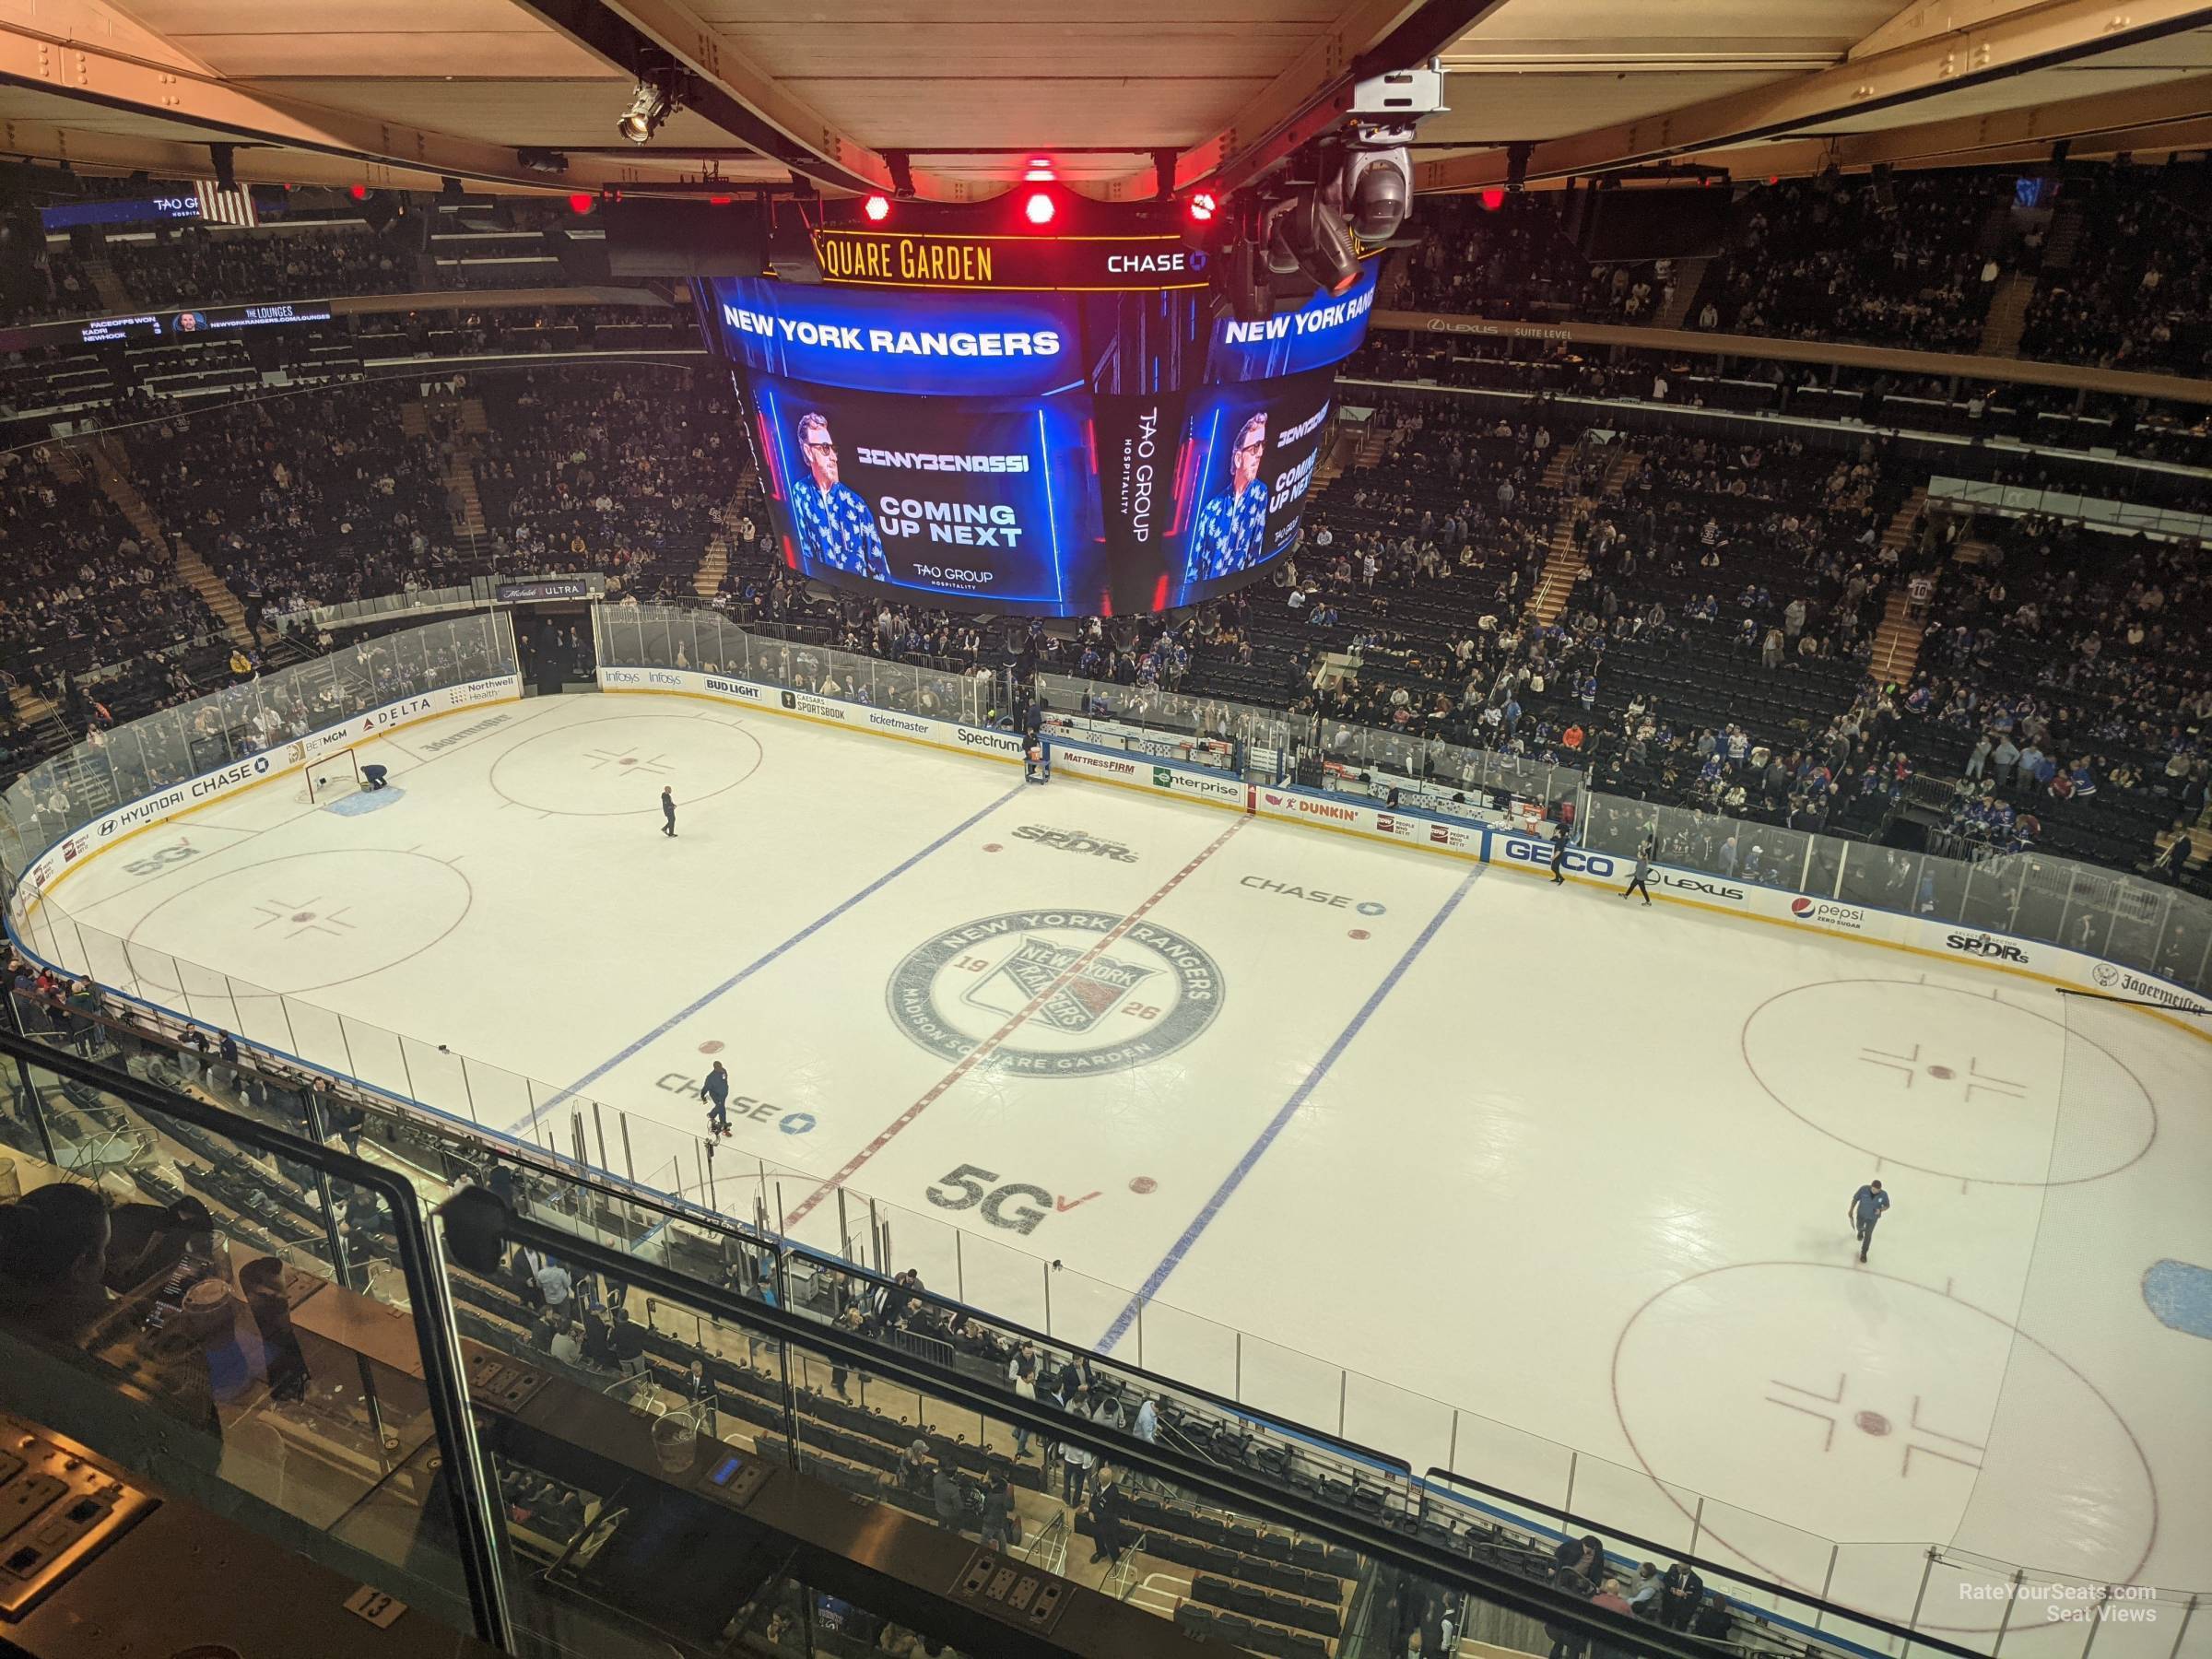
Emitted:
<point x="747" y="971"/>
<point x="1258" y="1150"/>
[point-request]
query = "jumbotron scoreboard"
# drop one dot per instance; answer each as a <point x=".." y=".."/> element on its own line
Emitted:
<point x="1045" y="424"/>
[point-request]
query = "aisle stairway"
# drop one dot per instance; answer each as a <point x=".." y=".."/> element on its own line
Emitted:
<point x="1690" y="276"/>
<point x="107" y="459"/>
<point x="1564" y="567"/>
<point x="2007" y="316"/>
<point x="428" y="417"/>
<point x="1897" y="639"/>
<point x="107" y="284"/>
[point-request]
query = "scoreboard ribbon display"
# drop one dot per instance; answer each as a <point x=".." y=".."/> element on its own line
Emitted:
<point x="1046" y="454"/>
<point x="1003" y="263"/>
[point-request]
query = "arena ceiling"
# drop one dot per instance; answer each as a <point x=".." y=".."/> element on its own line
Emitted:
<point x="958" y="96"/>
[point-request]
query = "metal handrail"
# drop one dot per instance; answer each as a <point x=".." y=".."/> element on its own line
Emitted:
<point x="429" y="1303"/>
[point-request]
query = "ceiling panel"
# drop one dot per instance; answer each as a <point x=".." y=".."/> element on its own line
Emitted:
<point x="1506" y="106"/>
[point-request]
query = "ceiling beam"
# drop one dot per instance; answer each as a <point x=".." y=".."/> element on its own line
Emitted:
<point x="727" y="88"/>
<point x="2039" y="35"/>
<point x="86" y="73"/>
<point x="1314" y="94"/>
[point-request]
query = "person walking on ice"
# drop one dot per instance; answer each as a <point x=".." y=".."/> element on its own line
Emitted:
<point x="668" y="811"/>
<point x="1644" y="870"/>
<point x="716" y="1093"/>
<point x="1867" y="1206"/>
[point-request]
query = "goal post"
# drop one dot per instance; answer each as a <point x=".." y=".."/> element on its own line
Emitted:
<point x="336" y="773"/>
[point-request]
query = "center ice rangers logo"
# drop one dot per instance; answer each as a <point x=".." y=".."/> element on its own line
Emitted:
<point x="1055" y="992"/>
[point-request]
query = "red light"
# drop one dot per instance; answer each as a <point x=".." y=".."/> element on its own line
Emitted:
<point x="1773" y="178"/>
<point x="1039" y="208"/>
<point x="1203" y="206"/>
<point x="359" y="192"/>
<point x="719" y="201"/>
<point x="583" y="202"/>
<point x="878" y="208"/>
<point x="1492" y="200"/>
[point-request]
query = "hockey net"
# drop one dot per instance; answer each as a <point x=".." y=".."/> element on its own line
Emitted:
<point x="328" y="775"/>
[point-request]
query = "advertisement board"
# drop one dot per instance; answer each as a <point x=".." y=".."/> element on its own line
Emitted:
<point x="890" y="723"/>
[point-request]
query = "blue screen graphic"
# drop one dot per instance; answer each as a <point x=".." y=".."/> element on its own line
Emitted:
<point x="1042" y="454"/>
<point x="957" y="345"/>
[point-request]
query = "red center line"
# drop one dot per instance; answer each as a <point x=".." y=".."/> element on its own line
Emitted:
<point x="990" y="1045"/>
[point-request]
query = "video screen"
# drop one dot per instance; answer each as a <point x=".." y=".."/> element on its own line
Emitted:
<point x="1036" y="454"/>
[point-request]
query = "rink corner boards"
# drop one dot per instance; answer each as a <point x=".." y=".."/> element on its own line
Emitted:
<point x="175" y="801"/>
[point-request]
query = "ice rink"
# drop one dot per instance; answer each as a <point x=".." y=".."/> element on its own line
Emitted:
<point x="1574" y="1165"/>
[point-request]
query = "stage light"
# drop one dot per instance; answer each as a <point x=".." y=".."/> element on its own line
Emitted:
<point x="1315" y="233"/>
<point x="1038" y="209"/>
<point x="359" y="192"/>
<point x="1491" y="200"/>
<point x="1378" y="186"/>
<point x="583" y="202"/>
<point x="1203" y="206"/>
<point x="878" y="208"/>
<point x="649" y="107"/>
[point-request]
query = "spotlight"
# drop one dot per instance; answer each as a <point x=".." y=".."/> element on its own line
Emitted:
<point x="359" y="192"/>
<point x="1319" y="240"/>
<point x="1039" y="208"/>
<point x="649" y="107"/>
<point x="878" y="208"/>
<point x="1378" y="184"/>
<point x="1203" y="206"/>
<point x="1492" y="199"/>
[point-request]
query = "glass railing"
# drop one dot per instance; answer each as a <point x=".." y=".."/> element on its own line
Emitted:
<point x="2160" y="931"/>
<point x="645" y="637"/>
<point x="633" y="1182"/>
<point x="518" y="1426"/>
<point x="265" y="725"/>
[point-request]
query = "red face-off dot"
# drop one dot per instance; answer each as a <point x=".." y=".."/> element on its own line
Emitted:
<point x="629" y="760"/>
<point x="1943" y="1072"/>
<point x="1872" y="1422"/>
<point x="1143" y="1183"/>
<point x="991" y="847"/>
<point x="1358" y="933"/>
<point x="712" y="1045"/>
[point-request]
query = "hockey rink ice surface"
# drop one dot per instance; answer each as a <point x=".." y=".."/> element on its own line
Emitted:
<point x="1575" y="1166"/>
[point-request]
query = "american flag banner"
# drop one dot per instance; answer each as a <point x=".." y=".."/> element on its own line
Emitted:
<point x="220" y="207"/>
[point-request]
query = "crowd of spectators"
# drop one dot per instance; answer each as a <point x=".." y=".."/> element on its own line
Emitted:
<point x="2134" y="295"/>
<point x="51" y="283"/>
<point x="1893" y="261"/>
<point x="630" y="471"/>
<point x="200" y="266"/>
<point x="2062" y="687"/>
<point x="312" y="499"/>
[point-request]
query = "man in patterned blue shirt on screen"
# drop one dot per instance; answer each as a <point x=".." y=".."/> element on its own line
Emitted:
<point x="1231" y="531"/>
<point x="835" y="528"/>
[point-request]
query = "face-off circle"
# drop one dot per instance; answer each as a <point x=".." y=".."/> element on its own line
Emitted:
<point x="301" y="923"/>
<point x="1949" y="1082"/>
<point x="1055" y="992"/>
<point x="617" y="766"/>
<point x="1875" y="1403"/>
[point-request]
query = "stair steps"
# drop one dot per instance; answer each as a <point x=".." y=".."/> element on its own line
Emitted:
<point x="105" y="457"/>
<point x="2007" y="316"/>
